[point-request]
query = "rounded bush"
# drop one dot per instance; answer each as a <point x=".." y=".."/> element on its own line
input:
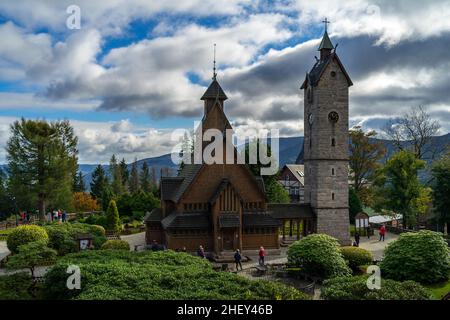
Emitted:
<point x="319" y="255"/>
<point x="355" y="288"/>
<point x="116" y="245"/>
<point x="420" y="256"/>
<point x="62" y="237"/>
<point x="25" y="234"/>
<point x="356" y="257"/>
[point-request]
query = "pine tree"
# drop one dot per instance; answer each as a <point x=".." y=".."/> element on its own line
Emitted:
<point x="145" y="178"/>
<point x="42" y="161"/>
<point x="134" y="178"/>
<point x="99" y="182"/>
<point x="125" y="174"/>
<point x="78" y="185"/>
<point x="117" y="186"/>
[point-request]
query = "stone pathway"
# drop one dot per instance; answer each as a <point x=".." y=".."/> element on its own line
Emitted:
<point x="137" y="239"/>
<point x="375" y="246"/>
<point x="3" y="250"/>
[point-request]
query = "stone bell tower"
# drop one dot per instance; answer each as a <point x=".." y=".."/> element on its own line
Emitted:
<point x="326" y="144"/>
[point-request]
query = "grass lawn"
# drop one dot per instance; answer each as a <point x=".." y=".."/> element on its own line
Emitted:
<point x="439" y="290"/>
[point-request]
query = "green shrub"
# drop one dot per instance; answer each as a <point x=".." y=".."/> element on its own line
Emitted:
<point x="319" y="255"/>
<point x="116" y="245"/>
<point x="355" y="288"/>
<point x="420" y="256"/>
<point x="31" y="255"/>
<point x="15" y="287"/>
<point x="166" y="275"/>
<point x="25" y="234"/>
<point x="112" y="218"/>
<point x="356" y="257"/>
<point x="62" y="237"/>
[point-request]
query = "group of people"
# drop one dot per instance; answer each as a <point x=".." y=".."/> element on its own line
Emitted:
<point x="57" y="215"/>
<point x="25" y="217"/>
<point x="237" y="256"/>
<point x="381" y="233"/>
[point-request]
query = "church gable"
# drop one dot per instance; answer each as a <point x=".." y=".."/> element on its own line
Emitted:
<point x="227" y="197"/>
<point x="206" y="183"/>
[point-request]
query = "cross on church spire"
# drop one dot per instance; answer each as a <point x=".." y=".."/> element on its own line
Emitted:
<point x="326" y="22"/>
<point x="214" y="68"/>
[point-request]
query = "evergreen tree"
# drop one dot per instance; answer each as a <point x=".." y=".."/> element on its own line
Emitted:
<point x="107" y="196"/>
<point x="441" y="190"/>
<point x="117" y="186"/>
<point x="42" y="161"/>
<point x="99" y="182"/>
<point x="79" y="185"/>
<point x="125" y="174"/>
<point x="134" y="178"/>
<point x="145" y="179"/>
<point x="112" y="217"/>
<point x="6" y="203"/>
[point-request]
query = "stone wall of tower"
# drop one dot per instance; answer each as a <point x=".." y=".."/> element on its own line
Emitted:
<point x="326" y="163"/>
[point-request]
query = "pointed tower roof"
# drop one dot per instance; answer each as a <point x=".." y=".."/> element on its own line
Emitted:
<point x="214" y="91"/>
<point x="326" y="42"/>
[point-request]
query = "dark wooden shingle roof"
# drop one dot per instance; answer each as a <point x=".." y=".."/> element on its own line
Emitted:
<point x="214" y="91"/>
<point x="290" y="210"/>
<point x="186" y="221"/>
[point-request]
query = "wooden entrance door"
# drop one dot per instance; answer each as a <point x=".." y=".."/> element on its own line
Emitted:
<point x="228" y="239"/>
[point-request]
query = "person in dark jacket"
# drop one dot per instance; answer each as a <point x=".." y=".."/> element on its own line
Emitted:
<point x="237" y="259"/>
<point x="201" y="252"/>
<point x="357" y="239"/>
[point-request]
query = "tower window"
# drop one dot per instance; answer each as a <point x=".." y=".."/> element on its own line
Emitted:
<point x="332" y="196"/>
<point x="333" y="74"/>
<point x="333" y="171"/>
<point x="333" y="142"/>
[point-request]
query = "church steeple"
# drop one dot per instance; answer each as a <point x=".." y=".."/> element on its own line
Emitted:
<point x="326" y="45"/>
<point x="214" y="94"/>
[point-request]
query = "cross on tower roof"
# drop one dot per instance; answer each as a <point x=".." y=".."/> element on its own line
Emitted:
<point x="214" y="68"/>
<point x="326" y="22"/>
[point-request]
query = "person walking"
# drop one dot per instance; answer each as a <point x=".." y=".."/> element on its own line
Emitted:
<point x="368" y="230"/>
<point x="201" y="252"/>
<point x="237" y="259"/>
<point x="64" y="216"/>
<point x="261" y="254"/>
<point x="382" y="232"/>
<point x="357" y="238"/>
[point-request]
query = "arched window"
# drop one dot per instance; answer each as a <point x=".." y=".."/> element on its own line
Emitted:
<point x="333" y="142"/>
<point x="332" y="196"/>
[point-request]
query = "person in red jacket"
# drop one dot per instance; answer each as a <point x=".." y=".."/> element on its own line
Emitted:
<point x="262" y="254"/>
<point x="382" y="232"/>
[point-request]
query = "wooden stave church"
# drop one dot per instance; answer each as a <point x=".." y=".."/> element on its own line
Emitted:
<point x="222" y="207"/>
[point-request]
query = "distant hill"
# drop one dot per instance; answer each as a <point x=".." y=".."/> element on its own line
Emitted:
<point x="289" y="150"/>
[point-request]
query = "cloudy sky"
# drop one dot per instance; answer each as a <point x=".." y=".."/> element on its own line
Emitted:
<point x="136" y="69"/>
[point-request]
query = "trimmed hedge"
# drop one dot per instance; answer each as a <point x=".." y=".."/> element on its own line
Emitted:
<point x="116" y="245"/>
<point x="318" y="255"/>
<point x="25" y="234"/>
<point x="420" y="256"/>
<point x="15" y="287"/>
<point x="356" y="257"/>
<point x="355" y="288"/>
<point x="148" y="275"/>
<point x="62" y="237"/>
